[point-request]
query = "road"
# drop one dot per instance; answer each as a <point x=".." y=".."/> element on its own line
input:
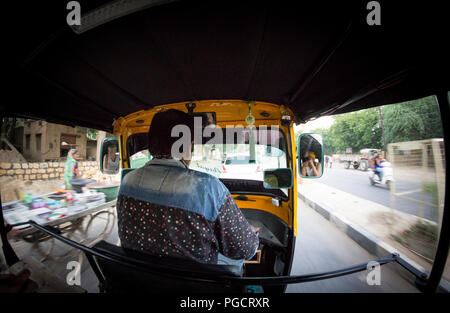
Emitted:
<point x="357" y="183"/>
<point x="321" y="247"/>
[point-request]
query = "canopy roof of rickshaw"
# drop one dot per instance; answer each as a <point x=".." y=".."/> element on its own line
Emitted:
<point x="316" y="59"/>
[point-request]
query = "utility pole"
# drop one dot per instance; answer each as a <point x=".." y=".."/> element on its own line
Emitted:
<point x="382" y="131"/>
<point x="100" y="136"/>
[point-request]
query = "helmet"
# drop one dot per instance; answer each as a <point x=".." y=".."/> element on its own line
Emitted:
<point x="310" y="154"/>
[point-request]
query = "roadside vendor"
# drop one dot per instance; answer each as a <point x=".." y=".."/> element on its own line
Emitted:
<point x="71" y="171"/>
<point x="167" y="209"/>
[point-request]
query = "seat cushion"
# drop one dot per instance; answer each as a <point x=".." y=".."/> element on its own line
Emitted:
<point x="157" y="274"/>
<point x="172" y="264"/>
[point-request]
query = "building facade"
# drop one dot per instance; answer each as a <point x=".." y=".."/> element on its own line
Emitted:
<point x="44" y="141"/>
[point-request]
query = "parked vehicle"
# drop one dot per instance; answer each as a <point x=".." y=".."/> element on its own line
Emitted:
<point x="241" y="165"/>
<point x="359" y="161"/>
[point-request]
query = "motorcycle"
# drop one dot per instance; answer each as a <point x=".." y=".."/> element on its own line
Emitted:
<point x="387" y="176"/>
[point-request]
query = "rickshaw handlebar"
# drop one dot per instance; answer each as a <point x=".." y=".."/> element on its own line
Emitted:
<point x="264" y="281"/>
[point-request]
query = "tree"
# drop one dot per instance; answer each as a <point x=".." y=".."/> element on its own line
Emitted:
<point x="412" y="120"/>
<point x="407" y="121"/>
<point x="356" y="130"/>
<point x="328" y="146"/>
<point x="92" y="133"/>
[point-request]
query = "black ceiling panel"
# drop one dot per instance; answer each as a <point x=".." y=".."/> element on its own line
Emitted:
<point x="317" y="58"/>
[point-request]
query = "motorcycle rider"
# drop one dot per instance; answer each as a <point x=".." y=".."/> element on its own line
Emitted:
<point x="378" y="167"/>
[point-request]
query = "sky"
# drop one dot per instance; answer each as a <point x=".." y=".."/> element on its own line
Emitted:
<point x="322" y="122"/>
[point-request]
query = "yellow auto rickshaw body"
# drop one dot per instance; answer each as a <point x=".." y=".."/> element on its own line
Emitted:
<point x="229" y="113"/>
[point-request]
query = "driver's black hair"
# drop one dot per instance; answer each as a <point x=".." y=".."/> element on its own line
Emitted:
<point x="160" y="140"/>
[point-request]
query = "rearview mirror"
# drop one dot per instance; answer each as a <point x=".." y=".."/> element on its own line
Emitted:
<point x="278" y="178"/>
<point x="310" y="158"/>
<point x="109" y="156"/>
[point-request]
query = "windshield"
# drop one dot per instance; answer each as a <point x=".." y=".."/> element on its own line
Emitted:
<point x="247" y="159"/>
<point x="140" y="158"/>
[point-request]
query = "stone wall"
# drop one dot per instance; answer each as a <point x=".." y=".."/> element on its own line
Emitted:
<point x="42" y="170"/>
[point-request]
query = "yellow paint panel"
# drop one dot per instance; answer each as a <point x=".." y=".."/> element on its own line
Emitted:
<point x="265" y="203"/>
<point x="228" y="112"/>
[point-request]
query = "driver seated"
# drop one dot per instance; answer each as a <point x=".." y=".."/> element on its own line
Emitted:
<point x="168" y="210"/>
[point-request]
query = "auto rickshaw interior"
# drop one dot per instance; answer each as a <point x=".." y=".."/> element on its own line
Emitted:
<point x="258" y="63"/>
<point x="264" y="193"/>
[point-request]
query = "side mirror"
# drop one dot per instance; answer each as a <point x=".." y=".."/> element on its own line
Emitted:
<point x="310" y="151"/>
<point x="278" y="178"/>
<point x="109" y="156"/>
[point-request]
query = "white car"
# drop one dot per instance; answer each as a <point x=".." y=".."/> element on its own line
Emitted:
<point x="240" y="167"/>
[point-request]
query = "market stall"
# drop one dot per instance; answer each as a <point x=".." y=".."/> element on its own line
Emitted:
<point x="72" y="213"/>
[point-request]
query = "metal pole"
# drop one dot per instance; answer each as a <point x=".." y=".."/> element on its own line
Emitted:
<point x="10" y="256"/>
<point x="161" y="269"/>
<point x="382" y="132"/>
<point x="440" y="178"/>
<point x="392" y="186"/>
<point x="444" y="238"/>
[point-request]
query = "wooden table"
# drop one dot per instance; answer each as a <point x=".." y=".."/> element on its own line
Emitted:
<point x="71" y="226"/>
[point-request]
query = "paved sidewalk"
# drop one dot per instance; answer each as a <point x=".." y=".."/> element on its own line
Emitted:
<point x="321" y="247"/>
<point x="366" y="222"/>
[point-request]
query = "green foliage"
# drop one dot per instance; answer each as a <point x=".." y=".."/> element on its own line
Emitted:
<point x="356" y="130"/>
<point x="431" y="188"/>
<point x="407" y="121"/>
<point x="426" y="230"/>
<point x="91" y="133"/>
<point x="328" y="145"/>
<point x="421" y="238"/>
<point x="412" y="120"/>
